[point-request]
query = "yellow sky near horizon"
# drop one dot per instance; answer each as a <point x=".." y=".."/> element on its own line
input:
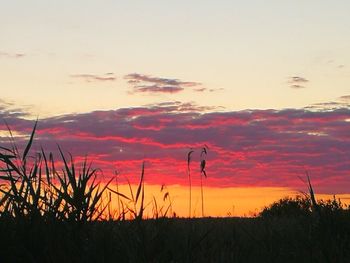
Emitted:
<point x="218" y="202"/>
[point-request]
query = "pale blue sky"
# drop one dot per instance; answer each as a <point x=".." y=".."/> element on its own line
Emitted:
<point x="249" y="49"/>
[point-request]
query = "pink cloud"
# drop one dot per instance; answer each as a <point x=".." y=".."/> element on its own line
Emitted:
<point x="246" y="148"/>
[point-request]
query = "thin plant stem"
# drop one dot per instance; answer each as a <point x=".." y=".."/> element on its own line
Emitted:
<point x="203" y="172"/>
<point x="202" y="195"/>
<point x="189" y="181"/>
<point x="118" y="198"/>
<point x="190" y="184"/>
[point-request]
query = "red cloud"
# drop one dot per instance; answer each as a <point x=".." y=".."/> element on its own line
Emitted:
<point x="246" y="148"/>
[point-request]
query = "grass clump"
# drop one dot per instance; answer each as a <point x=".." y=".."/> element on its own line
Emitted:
<point x="34" y="189"/>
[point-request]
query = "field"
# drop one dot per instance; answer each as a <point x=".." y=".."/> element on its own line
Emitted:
<point x="276" y="239"/>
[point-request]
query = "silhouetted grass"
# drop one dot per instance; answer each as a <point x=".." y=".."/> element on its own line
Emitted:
<point x="33" y="189"/>
<point x="275" y="239"/>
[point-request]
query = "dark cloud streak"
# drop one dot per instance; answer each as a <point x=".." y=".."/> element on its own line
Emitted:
<point x="11" y="55"/>
<point x="297" y="82"/>
<point x="95" y="78"/>
<point x="149" y="84"/>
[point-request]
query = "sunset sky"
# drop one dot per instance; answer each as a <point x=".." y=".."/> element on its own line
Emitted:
<point x="264" y="84"/>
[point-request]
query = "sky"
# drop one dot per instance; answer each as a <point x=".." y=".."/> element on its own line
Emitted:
<point x="263" y="84"/>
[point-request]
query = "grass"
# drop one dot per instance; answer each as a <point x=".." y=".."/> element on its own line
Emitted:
<point x="35" y="189"/>
<point x="276" y="239"/>
<point x="189" y="181"/>
<point x="203" y="155"/>
<point x="52" y="213"/>
<point x="203" y="172"/>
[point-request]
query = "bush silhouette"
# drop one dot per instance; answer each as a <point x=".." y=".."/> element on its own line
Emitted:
<point x="301" y="206"/>
<point x="288" y="206"/>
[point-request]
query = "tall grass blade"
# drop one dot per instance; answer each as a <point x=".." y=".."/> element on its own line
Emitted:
<point x="47" y="169"/>
<point x="119" y="194"/>
<point x="312" y="194"/>
<point x="14" y="147"/>
<point x="29" y="144"/>
<point x="140" y="189"/>
<point x="141" y="182"/>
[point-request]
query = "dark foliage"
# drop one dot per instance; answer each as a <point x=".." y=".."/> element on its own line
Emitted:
<point x="286" y="207"/>
<point x="302" y="206"/>
<point x="293" y="239"/>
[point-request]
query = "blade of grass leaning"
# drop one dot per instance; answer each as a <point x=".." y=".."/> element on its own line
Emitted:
<point x="130" y="189"/>
<point x="140" y="214"/>
<point x="71" y="179"/>
<point x="140" y="190"/>
<point x="47" y="169"/>
<point x="12" y="140"/>
<point x="312" y="194"/>
<point x="6" y="149"/>
<point x="29" y="144"/>
<point x="119" y="194"/>
<point x="11" y="166"/>
<point x="140" y="183"/>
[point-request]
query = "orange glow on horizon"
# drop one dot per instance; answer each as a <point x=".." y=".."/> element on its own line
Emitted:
<point x="218" y="202"/>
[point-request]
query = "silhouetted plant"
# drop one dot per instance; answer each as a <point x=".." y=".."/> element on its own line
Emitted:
<point x="288" y="206"/>
<point x="189" y="180"/>
<point x="35" y="189"/>
<point x="162" y="211"/>
<point x="203" y="172"/>
<point x="302" y="206"/>
<point x="134" y="205"/>
<point x="202" y="164"/>
<point x="314" y="204"/>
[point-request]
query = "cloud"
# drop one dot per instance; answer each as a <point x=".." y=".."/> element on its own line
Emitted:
<point x="214" y="90"/>
<point x="247" y="148"/>
<point x="158" y="89"/>
<point x="178" y="106"/>
<point x="297" y="79"/>
<point x="345" y="98"/>
<point x="202" y="89"/>
<point x="296" y="86"/>
<point x="297" y="82"/>
<point x="10" y="110"/>
<point x="94" y="78"/>
<point x="149" y="84"/>
<point x="11" y="55"/>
